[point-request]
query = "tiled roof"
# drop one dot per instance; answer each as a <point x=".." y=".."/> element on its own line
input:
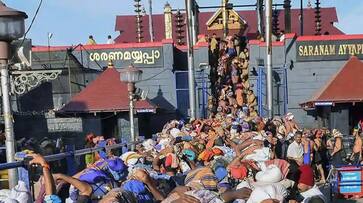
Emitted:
<point x="105" y="94"/>
<point x="345" y="86"/>
<point x="127" y="27"/>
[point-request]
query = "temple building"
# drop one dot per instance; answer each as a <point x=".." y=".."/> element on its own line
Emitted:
<point x="243" y="23"/>
<point x="320" y="86"/>
<point x="86" y="96"/>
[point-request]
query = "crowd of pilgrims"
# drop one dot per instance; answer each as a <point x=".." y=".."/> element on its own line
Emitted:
<point x="233" y="156"/>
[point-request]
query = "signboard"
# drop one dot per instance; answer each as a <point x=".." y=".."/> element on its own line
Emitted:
<point x="328" y="50"/>
<point x="323" y="103"/>
<point x="64" y="125"/>
<point x="350" y="182"/>
<point x="139" y="57"/>
<point x="145" y="111"/>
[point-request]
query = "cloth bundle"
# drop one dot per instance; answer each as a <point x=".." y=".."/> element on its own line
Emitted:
<point x="201" y="178"/>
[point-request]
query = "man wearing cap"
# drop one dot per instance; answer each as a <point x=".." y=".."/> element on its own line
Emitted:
<point x="306" y="186"/>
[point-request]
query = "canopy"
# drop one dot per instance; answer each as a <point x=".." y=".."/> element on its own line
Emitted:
<point x="343" y="87"/>
<point x="105" y="94"/>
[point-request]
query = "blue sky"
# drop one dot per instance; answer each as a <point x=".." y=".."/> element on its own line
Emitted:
<point x="71" y="21"/>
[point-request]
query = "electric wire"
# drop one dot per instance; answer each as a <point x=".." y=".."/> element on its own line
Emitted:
<point x="30" y="26"/>
<point x="34" y="17"/>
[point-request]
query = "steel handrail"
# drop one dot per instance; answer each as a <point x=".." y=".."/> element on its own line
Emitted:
<point x="60" y="156"/>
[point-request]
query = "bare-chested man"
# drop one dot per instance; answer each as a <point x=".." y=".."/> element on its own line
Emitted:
<point x="290" y="123"/>
<point x="356" y="156"/>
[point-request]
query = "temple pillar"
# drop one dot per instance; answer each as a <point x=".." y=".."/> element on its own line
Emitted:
<point x="168" y="21"/>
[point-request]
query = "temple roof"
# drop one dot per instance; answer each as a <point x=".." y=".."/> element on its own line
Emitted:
<point x="343" y="87"/>
<point x="105" y="94"/>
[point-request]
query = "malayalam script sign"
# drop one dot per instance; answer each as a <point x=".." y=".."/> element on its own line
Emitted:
<point x="139" y="57"/>
<point x="328" y="50"/>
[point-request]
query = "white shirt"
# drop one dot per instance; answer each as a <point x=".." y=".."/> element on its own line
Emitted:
<point x="282" y="38"/>
<point x="295" y="150"/>
<point x="110" y="41"/>
<point x="313" y="192"/>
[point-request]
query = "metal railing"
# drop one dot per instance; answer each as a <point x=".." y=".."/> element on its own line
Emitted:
<point x="63" y="155"/>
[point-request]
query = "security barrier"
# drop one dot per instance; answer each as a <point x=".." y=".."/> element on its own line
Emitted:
<point x="70" y="154"/>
